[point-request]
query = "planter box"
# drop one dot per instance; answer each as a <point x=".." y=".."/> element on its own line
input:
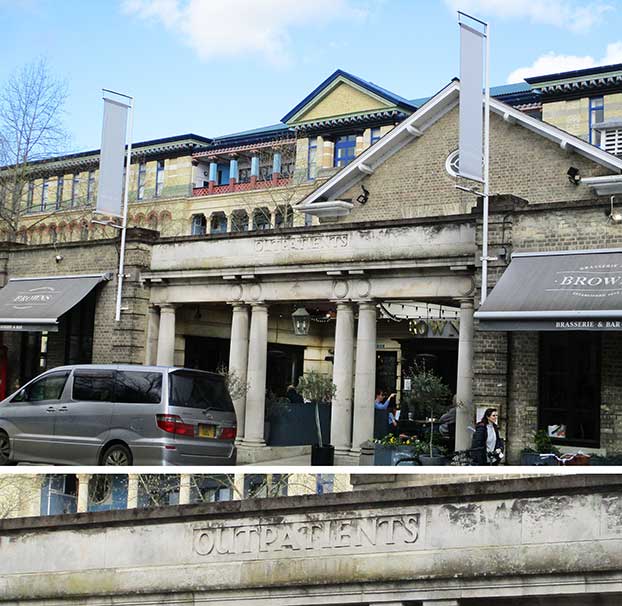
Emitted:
<point x="389" y="456"/>
<point x="533" y="458"/>
<point x="322" y="455"/>
<point x="296" y="427"/>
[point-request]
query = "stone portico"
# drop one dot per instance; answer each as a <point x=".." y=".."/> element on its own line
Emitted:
<point x="349" y="269"/>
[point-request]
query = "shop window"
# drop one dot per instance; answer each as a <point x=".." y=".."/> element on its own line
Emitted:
<point x="59" y="495"/>
<point x="597" y="114"/>
<point x="261" y="218"/>
<point x="344" y="150"/>
<point x="239" y="220"/>
<point x="569" y="405"/>
<point x="218" y="223"/>
<point x="199" y="225"/>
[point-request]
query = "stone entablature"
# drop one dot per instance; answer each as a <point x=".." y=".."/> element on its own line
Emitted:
<point x="511" y="537"/>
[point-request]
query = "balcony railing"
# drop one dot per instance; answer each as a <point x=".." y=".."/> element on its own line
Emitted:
<point x="240" y="187"/>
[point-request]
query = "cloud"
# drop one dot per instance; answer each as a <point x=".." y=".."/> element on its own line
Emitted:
<point x="552" y="63"/>
<point x="236" y="28"/>
<point x="572" y="15"/>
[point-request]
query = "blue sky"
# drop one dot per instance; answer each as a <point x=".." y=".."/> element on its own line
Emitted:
<point x="214" y="67"/>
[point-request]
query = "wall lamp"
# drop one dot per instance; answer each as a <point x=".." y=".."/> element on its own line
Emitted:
<point x="573" y="175"/>
<point x="615" y="216"/>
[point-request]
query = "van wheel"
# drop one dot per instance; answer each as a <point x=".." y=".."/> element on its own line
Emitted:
<point x="5" y="450"/>
<point x="117" y="454"/>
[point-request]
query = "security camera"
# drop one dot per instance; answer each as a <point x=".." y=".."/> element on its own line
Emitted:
<point x="58" y="258"/>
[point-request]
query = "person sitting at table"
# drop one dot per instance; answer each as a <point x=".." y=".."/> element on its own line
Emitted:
<point x="379" y="404"/>
<point x="393" y="417"/>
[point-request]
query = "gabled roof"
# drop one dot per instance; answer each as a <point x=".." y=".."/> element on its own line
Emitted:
<point x="388" y="96"/>
<point x="425" y="117"/>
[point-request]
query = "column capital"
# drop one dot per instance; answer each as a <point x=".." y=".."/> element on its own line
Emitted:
<point x="238" y="305"/>
<point x="168" y="307"/>
<point x="366" y="304"/>
<point x="257" y="305"/>
<point x="466" y="302"/>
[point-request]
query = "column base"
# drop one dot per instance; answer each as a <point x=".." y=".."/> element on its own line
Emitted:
<point x="344" y="456"/>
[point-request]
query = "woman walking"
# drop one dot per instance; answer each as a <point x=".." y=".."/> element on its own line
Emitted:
<point x="487" y="446"/>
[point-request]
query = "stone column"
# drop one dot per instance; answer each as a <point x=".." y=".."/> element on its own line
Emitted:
<point x="237" y="490"/>
<point x="341" y="418"/>
<point x="213" y="176"/>
<point x="328" y="153"/>
<point x="83" y="491"/>
<point x="132" y="491"/>
<point x="256" y="376"/>
<point x="276" y="166"/>
<point x="184" y="489"/>
<point x="464" y="388"/>
<point x="166" y="336"/>
<point x="238" y="360"/>
<point x="360" y="144"/>
<point x="254" y="169"/>
<point x="365" y="376"/>
<point x="153" y="325"/>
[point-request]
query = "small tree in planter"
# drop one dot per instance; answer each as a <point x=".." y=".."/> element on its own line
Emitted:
<point x="315" y="388"/>
<point x="429" y="396"/>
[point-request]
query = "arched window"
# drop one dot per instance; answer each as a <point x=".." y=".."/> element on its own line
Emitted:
<point x="52" y="234"/>
<point x="152" y="221"/>
<point x="239" y="220"/>
<point x="84" y="231"/>
<point x="261" y="218"/>
<point x="218" y="223"/>
<point x="199" y="225"/>
<point x="284" y="216"/>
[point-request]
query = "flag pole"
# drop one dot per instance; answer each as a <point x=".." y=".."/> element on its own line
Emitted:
<point x="126" y="187"/>
<point x="485" y="259"/>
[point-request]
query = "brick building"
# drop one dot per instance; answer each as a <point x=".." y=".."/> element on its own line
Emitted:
<point x="346" y="207"/>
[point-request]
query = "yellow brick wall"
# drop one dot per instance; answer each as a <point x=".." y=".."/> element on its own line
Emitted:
<point x="343" y="99"/>
<point x="414" y="182"/>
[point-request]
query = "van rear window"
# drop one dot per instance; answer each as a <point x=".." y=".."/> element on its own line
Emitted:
<point x="198" y="390"/>
<point x="138" y="387"/>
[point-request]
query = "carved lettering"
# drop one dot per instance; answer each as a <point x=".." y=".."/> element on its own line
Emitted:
<point x="301" y="243"/>
<point x="368" y="532"/>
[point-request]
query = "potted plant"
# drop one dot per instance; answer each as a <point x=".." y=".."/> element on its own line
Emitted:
<point x="542" y="444"/>
<point x="430" y="398"/>
<point x="316" y="388"/>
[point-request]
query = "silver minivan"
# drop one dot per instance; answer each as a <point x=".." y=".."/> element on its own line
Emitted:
<point x="119" y="415"/>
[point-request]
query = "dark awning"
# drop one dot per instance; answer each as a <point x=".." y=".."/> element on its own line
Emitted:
<point x="34" y="304"/>
<point x="575" y="290"/>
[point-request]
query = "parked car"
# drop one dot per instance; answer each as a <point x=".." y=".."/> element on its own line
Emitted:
<point x="119" y="415"/>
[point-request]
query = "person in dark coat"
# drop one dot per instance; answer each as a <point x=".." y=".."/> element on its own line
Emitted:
<point x="293" y="396"/>
<point x="487" y="445"/>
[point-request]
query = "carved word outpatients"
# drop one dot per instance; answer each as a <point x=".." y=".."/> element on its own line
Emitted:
<point x="308" y="535"/>
<point x="318" y="242"/>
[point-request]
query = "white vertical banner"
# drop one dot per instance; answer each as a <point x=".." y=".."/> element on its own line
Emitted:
<point x="111" y="158"/>
<point x="471" y="103"/>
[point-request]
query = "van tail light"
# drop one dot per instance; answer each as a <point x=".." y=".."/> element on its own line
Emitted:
<point x="228" y="433"/>
<point x="174" y="424"/>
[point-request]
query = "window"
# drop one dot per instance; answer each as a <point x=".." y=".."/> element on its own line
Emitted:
<point x="59" y="495"/>
<point x="30" y="196"/>
<point x="47" y="388"/>
<point x="84" y="231"/>
<point x="261" y="218"/>
<point x="375" y="135"/>
<point x="138" y="387"/>
<point x="284" y="216"/>
<point x="75" y="185"/>
<point x="597" y="114"/>
<point x="239" y="220"/>
<point x="452" y="164"/>
<point x="53" y="235"/>
<point x="312" y="158"/>
<point x="344" y="150"/>
<point x="142" y="174"/>
<point x="325" y="483"/>
<point x="93" y="385"/>
<point x="197" y="390"/>
<point x="44" y="194"/>
<point x="158" y="490"/>
<point x="152" y="222"/>
<point x="159" y="178"/>
<point x="570" y="386"/>
<point x="218" y="223"/>
<point x="59" y="192"/>
<point x="199" y="225"/>
<point x="244" y="175"/>
<point x="90" y="187"/>
<point x="210" y="489"/>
